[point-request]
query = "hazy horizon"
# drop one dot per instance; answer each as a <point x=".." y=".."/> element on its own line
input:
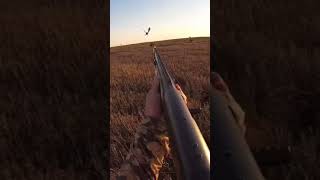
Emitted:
<point x="159" y="40"/>
<point x="168" y="19"/>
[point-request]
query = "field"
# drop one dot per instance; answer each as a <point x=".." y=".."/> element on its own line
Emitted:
<point x="131" y="72"/>
<point x="53" y="100"/>
<point x="268" y="53"/>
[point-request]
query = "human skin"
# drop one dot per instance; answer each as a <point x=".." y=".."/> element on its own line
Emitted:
<point x="153" y="107"/>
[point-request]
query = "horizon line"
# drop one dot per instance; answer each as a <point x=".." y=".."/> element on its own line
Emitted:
<point x="158" y="41"/>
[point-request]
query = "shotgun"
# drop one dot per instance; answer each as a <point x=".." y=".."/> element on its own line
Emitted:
<point x="190" y="149"/>
<point x="233" y="159"/>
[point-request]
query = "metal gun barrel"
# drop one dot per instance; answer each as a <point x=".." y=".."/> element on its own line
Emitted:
<point x="232" y="156"/>
<point x="189" y="146"/>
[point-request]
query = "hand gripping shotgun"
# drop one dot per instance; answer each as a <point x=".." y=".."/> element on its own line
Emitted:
<point x="190" y="149"/>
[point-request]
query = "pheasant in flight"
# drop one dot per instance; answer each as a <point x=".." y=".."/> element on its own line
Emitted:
<point x="147" y="32"/>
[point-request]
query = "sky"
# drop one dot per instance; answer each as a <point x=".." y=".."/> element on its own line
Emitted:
<point x="168" y="19"/>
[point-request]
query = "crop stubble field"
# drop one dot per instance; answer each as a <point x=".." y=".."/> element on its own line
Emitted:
<point x="132" y="71"/>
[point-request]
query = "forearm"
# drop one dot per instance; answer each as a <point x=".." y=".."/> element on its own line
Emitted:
<point x="147" y="151"/>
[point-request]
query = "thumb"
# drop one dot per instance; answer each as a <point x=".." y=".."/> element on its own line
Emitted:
<point x="155" y="84"/>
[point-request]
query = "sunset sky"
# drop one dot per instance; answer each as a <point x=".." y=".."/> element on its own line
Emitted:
<point x="168" y="19"/>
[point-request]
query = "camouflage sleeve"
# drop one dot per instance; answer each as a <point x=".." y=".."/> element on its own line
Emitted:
<point x="147" y="151"/>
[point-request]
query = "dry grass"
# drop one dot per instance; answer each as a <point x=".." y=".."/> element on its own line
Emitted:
<point x="132" y="71"/>
<point x="53" y="91"/>
<point x="268" y="52"/>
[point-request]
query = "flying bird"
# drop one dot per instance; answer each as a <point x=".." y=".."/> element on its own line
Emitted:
<point x="147" y="32"/>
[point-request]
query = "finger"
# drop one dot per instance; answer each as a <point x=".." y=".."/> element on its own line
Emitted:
<point x="178" y="87"/>
<point x="156" y="74"/>
<point x="218" y="83"/>
<point x="153" y="105"/>
<point x="184" y="97"/>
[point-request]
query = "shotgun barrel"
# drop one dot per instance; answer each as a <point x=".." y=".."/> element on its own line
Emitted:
<point x="233" y="159"/>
